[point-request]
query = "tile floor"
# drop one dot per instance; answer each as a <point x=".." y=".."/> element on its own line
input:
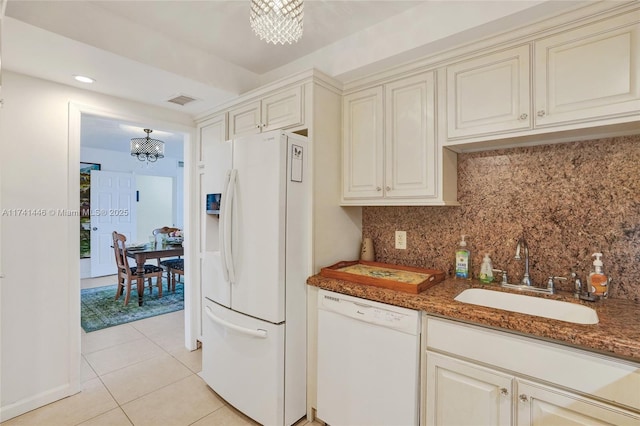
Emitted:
<point x="139" y="374"/>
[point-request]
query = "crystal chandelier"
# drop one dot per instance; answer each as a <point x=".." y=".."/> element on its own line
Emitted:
<point x="277" y="21"/>
<point x="147" y="149"/>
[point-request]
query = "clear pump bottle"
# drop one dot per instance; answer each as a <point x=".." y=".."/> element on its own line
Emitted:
<point x="486" y="270"/>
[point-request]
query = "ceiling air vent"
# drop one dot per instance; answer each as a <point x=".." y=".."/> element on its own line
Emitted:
<point x="181" y="100"/>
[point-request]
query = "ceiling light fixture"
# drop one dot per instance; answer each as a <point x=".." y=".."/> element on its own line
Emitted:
<point x="147" y="149"/>
<point x="84" y="79"/>
<point x="277" y="21"/>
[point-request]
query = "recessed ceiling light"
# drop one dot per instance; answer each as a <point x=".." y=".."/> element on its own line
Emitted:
<point x="83" y="79"/>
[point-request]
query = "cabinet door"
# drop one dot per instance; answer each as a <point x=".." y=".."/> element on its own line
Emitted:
<point x="542" y="405"/>
<point x="282" y="110"/>
<point x="410" y="148"/>
<point x="362" y="154"/>
<point x="245" y="120"/>
<point x="211" y="132"/>
<point x="590" y="72"/>
<point x="459" y="393"/>
<point x="489" y="94"/>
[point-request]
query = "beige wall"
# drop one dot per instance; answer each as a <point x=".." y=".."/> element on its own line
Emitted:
<point x="570" y="200"/>
<point x="40" y="291"/>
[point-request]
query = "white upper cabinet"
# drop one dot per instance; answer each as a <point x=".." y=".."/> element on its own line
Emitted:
<point x="584" y="76"/>
<point x="363" y="148"/>
<point x="281" y="110"/>
<point x="245" y="120"/>
<point x="410" y="138"/>
<point x="589" y="73"/>
<point x="212" y="131"/>
<point x="390" y="154"/>
<point x="489" y="94"/>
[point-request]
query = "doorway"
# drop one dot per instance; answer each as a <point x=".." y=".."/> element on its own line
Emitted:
<point x="150" y="193"/>
<point x="76" y="114"/>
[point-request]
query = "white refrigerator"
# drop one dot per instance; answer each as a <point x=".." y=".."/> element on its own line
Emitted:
<point x="254" y="276"/>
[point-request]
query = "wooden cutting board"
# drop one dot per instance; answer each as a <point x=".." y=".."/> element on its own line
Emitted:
<point x="395" y="277"/>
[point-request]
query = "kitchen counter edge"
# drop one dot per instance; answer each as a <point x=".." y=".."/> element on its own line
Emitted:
<point x="617" y="333"/>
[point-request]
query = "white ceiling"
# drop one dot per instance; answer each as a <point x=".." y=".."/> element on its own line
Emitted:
<point x="152" y="50"/>
<point x="106" y="133"/>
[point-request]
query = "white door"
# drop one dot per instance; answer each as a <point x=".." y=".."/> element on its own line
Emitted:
<point x="410" y="142"/>
<point x="258" y="231"/>
<point x="459" y="393"/>
<point x="215" y="283"/>
<point x="243" y="362"/>
<point x="363" y="138"/>
<point x="547" y="406"/>
<point x="282" y="110"/>
<point x="113" y="208"/>
<point x="245" y="120"/>
<point x="590" y="72"/>
<point x="155" y="204"/>
<point x="489" y="94"/>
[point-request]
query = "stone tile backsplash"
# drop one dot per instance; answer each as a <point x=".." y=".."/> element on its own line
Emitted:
<point x="569" y="200"/>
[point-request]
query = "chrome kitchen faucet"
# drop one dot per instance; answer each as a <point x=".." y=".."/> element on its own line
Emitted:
<point x="522" y="245"/>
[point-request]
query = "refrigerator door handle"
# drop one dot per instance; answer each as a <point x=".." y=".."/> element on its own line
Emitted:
<point x="251" y="332"/>
<point x="223" y="221"/>
<point x="227" y="224"/>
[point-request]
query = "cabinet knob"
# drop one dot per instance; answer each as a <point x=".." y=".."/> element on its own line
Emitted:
<point x="541" y="113"/>
<point x="523" y="398"/>
<point x="387" y="188"/>
<point x="504" y="392"/>
<point x="523" y="116"/>
<point x="378" y="188"/>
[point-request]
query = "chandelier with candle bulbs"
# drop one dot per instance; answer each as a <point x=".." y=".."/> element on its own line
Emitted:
<point x="147" y="149"/>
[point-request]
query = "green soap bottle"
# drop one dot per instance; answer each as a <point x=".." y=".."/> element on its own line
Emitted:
<point x="463" y="260"/>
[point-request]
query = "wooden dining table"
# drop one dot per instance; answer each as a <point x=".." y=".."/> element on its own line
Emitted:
<point x="151" y="251"/>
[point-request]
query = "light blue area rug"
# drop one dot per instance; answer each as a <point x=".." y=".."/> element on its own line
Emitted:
<point x="99" y="309"/>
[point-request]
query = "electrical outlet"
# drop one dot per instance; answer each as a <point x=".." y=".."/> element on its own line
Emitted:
<point x="401" y="240"/>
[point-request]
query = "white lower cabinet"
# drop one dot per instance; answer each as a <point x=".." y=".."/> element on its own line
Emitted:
<point x="460" y="393"/>
<point x="477" y="376"/>
<point x="544" y="405"/>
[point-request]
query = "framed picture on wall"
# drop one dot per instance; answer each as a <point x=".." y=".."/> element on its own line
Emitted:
<point x="85" y="208"/>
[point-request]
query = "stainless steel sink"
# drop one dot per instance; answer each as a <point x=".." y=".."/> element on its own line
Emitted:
<point x="531" y="305"/>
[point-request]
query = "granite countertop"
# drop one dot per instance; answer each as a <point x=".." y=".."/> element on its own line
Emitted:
<point x="617" y="333"/>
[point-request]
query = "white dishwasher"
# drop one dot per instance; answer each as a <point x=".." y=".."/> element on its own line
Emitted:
<point x="368" y="362"/>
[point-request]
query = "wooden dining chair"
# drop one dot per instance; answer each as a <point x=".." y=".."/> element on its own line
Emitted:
<point x="164" y="263"/>
<point x="175" y="268"/>
<point x="127" y="274"/>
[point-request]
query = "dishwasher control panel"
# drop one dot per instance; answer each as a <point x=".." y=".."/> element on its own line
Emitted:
<point x="402" y="319"/>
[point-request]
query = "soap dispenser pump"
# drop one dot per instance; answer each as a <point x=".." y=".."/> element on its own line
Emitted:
<point x="463" y="260"/>
<point x="597" y="280"/>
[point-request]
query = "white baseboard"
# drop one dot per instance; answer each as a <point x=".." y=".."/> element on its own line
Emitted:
<point x="27" y="404"/>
